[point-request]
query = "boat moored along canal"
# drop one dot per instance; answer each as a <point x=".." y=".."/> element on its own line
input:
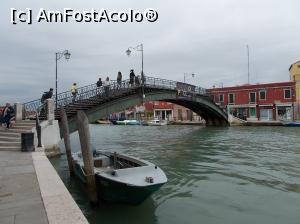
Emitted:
<point x="122" y="178"/>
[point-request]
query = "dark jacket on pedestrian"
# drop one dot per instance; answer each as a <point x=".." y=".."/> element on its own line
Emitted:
<point x="8" y="111"/>
<point x="47" y="95"/>
<point x="7" y="115"/>
<point x="131" y="77"/>
<point x="119" y="77"/>
<point x="137" y="80"/>
<point x="99" y="83"/>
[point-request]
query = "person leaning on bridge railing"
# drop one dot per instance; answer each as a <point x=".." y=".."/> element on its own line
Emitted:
<point x="45" y="96"/>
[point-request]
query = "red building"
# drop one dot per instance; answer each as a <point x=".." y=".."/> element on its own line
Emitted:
<point x="272" y="101"/>
<point x="159" y="109"/>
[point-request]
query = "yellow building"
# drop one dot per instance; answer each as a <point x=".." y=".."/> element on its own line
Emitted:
<point x="295" y="76"/>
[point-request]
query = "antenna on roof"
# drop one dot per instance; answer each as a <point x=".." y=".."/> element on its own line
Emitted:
<point x="248" y="64"/>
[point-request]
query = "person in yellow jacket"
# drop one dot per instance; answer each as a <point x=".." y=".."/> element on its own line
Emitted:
<point x="74" y="91"/>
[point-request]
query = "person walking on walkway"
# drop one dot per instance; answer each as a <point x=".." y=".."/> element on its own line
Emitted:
<point x="8" y="115"/>
<point x="119" y="79"/>
<point x="131" y="77"/>
<point x="74" y="92"/>
<point x="106" y="86"/>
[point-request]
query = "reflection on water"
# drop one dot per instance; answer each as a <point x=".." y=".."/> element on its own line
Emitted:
<point x="216" y="175"/>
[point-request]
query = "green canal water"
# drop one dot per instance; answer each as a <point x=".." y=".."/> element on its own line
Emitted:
<point x="215" y="175"/>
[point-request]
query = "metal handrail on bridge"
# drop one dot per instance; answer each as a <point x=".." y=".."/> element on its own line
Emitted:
<point x="114" y="88"/>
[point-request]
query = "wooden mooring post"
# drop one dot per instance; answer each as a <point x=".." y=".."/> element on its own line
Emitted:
<point x="84" y="136"/>
<point x="66" y="135"/>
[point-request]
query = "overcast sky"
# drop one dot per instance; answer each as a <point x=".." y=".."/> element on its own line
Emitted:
<point x="207" y="38"/>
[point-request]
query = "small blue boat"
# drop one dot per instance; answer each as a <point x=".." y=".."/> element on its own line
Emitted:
<point x="291" y="123"/>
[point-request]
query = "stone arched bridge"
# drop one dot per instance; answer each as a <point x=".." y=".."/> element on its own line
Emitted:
<point x="99" y="103"/>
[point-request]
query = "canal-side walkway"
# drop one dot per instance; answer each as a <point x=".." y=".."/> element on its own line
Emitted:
<point x="31" y="192"/>
<point x="20" y="196"/>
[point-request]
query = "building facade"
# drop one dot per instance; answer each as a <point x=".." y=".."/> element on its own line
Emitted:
<point x="295" y="76"/>
<point x="169" y="111"/>
<point x="265" y="102"/>
<point x="159" y="109"/>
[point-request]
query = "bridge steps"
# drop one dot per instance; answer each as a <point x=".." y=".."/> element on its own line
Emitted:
<point x="19" y="131"/>
<point x="10" y="148"/>
<point x="13" y="144"/>
<point x="4" y="133"/>
<point x="26" y="127"/>
<point x="10" y="139"/>
<point x="28" y="124"/>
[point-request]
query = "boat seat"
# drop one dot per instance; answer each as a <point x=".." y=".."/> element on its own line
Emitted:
<point x="98" y="162"/>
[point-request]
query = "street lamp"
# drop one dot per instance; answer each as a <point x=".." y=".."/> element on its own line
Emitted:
<point x="187" y="74"/>
<point x="58" y="55"/>
<point x="140" y="48"/>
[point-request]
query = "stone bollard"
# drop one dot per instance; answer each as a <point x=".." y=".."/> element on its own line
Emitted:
<point x="19" y="112"/>
<point x="50" y="110"/>
<point x="88" y="161"/>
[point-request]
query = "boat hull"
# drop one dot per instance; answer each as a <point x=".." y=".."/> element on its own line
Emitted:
<point x="112" y="191"/>
<point x="292" y="124"/>
<point x="128" y="122"/>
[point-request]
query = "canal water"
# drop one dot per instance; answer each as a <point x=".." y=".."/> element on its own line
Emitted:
<point x="215" y="175"/>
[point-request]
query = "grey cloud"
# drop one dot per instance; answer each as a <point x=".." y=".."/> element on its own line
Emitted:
<point x="205" y="37"/>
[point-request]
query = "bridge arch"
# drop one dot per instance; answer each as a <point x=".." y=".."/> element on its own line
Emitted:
<point x="202" y="105"/>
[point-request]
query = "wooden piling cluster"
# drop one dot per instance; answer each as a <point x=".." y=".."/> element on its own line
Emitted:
<point x="84" y="136"/>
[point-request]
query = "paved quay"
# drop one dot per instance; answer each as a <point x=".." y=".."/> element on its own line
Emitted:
<point x="31" y="192"/>
<point x="20" y="196"/>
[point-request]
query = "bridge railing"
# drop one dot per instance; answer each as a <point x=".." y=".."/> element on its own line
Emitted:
<point x="159" y="83"/>
<point x="114" y="88"/>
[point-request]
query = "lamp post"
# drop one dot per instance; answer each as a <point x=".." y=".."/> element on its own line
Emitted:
<point x="58" y="55"/>
<point x="140" y="48"/>
<point x="187" y="74"/>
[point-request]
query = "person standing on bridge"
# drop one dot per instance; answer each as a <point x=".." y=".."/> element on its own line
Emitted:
<point x="99" y="83"/>
<point x="137" y="80"/>
<point x="131" y="77"/>
<point x="106" y="86"/>
<point x="74" y="91"/>
<point x="119" y="79"/>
